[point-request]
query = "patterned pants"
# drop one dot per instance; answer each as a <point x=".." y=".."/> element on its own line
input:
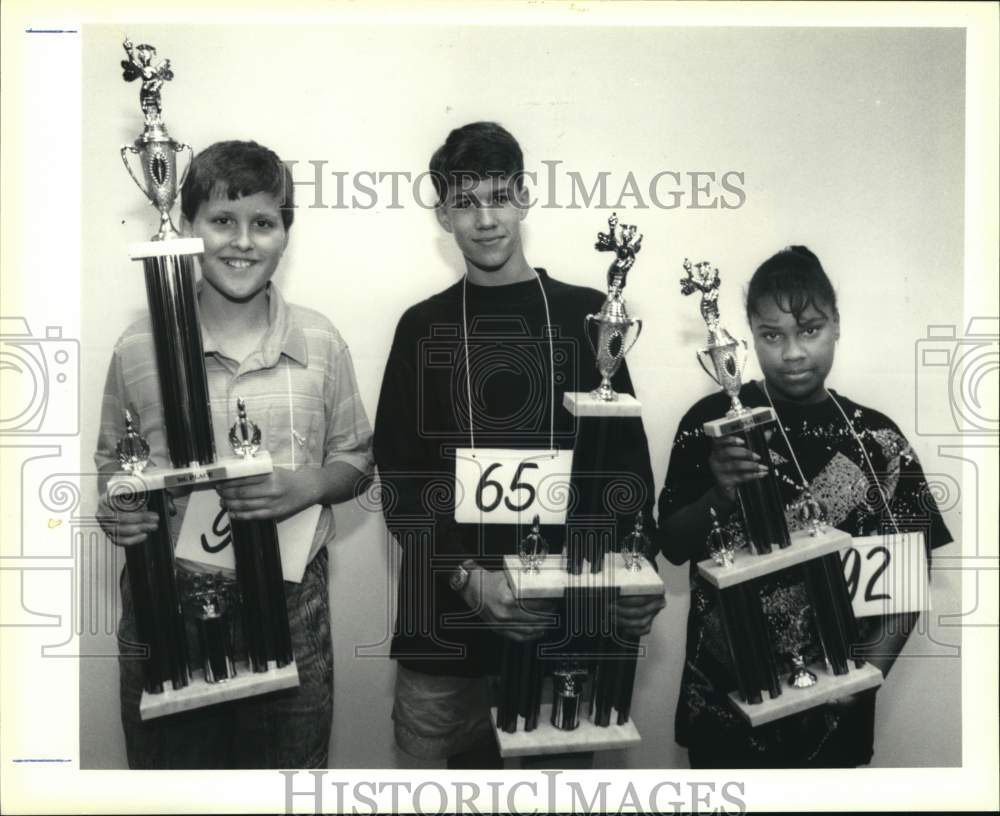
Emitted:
<point x="287" y="729"/>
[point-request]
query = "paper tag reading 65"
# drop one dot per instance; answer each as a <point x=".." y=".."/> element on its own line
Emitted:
<point x="506" y="486"/>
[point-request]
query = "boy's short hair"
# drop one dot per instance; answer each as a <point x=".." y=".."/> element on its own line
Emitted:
<point x="474" y="152"/>
<point x="235" y="169"/>
<point x="795" y="280"/>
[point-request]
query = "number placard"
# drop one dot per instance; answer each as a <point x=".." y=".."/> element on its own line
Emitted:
<point x="508" y="486"/>
<point x="887" y="574"/>
<point x="205" y="535"/>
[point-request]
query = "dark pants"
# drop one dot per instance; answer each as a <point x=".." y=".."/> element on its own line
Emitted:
<point x="287" y="729"/>
<point x="806" y="741"/>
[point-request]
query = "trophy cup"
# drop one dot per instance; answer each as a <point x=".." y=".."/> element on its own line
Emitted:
<point x="614" y="328"/>
<point x="166" y="607"/>
<point x="763" y="623"/>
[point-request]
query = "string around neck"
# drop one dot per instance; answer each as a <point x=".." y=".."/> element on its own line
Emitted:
<point x="552" y="367"/>
<point x="854" y="434"/>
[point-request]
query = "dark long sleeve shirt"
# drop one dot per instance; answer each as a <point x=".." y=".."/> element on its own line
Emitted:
<point x="423" y="417"/>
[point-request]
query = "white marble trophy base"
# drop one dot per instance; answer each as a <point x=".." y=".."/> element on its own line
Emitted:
<point x="233" y="467"/>
<point x="547" y="739"/>
<point x="728" y="425"/>
<point x="552" y="580"/>
<point x="747" y="566"/>
<point x="199" y="693"/>
<point x="828" y="686"/>
<point x="582" y="404"/>
<point x="160" y="249"/>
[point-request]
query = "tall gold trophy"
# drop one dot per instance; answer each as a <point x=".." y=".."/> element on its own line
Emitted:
<point x="767" y="631"/>
<point x="573" y="691"/>
<point x="237" y="626"/>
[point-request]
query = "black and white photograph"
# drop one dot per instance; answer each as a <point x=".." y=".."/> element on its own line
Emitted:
<point x="528" y="407"/>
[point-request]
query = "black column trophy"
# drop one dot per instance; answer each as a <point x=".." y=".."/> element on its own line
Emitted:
<point x="167" y="607"/>
<point x="588" y="661"/>
<point x="767" y="630"/>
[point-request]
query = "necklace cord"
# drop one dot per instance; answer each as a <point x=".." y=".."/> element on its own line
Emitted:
<point x="854" y="433"/>
<point x="552" y="363"/>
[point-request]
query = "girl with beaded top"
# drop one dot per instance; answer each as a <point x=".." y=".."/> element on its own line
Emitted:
<point x="850" y="458"/>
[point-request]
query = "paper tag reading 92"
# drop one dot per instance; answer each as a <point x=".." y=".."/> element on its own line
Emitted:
<point x="509" y="486"/>
<point x="887" y="574"/>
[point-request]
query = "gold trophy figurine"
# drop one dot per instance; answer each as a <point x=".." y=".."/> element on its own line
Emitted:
<point x="156" y="150"/>
<point x="613" y="322"/>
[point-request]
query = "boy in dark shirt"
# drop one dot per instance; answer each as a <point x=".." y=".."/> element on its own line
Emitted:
<point x="483" y="364"/>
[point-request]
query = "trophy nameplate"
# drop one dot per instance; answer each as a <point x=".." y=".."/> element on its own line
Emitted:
<point x="166" y="478"/>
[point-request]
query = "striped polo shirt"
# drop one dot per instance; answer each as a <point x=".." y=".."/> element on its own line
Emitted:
<point x="299" y="386"/>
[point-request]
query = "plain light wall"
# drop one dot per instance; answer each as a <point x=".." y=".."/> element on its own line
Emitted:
<point x="850" y="141"/>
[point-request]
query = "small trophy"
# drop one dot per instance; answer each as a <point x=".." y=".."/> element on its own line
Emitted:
<point x="209" y="597"/>
<point x="533" y="548"/>
<point x="566" y="694"/>
<point x="759" y="625"/>
<point x="637" y="544"/>
<point x="812" y="513"/>
<point x="720" y="545"/>
<point x="168" y="265"/>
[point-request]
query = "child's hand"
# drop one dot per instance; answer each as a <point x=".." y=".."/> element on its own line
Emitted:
<point x="127" y="528"/>
<point x="733" y="463"/>
<point x="489" y="593"/>
<point x="845" y="704"/>
<point x="635" y="613"/>
<point x="278" y="494"/>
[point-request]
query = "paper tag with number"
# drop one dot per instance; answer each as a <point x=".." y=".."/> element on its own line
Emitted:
<point x="887" y="574"/>
<point x="205" y="536"/>
<point x="507" y="486"/>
